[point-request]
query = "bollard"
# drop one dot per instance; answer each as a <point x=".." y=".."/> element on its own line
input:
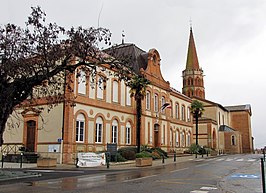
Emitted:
<point x="3" y="161"/>
<point x="163" y="159"/>
<point x="21" y="159"/>
<point x="207" y="153"/>
<point x="107" y="160"/>
<point x="263" y="154"/>
<point x="262" y="175"/>
<point x="174" y="157"/>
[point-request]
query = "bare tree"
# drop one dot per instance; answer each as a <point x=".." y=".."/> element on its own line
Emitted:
<point x="43" y="53"/>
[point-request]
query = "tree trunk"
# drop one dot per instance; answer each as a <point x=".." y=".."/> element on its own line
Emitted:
<point x="5" y="111"/>
<point x="138" y="124"/>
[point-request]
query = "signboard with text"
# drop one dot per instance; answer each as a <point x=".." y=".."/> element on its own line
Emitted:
<point x="91" y="159"/>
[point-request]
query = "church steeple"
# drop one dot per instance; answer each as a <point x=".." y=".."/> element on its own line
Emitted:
<point x="193" y="84"/>
<point x="192" y="58"/>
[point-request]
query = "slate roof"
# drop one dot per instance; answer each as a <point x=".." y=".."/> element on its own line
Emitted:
<point x="246" y="107"/>
<point x="133" y="56"/>
<point x="226" y="128"/>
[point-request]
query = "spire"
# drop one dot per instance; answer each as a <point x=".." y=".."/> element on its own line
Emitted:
<point x="192" y="58"/>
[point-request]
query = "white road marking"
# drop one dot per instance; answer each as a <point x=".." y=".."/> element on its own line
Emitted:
<point x="179" y="170"/>
<point x="198" y="191"/>
<point x="240" y="160"/>
<point x="55" y="171"/>
<point x="208" y="188"/>
<point x="219" y="160"/>
<point x="251" y="160"/>
<point x="139" y="178"/>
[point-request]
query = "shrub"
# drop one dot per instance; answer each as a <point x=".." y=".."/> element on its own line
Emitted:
<point x="143" y="154"/>
<point x="128" y="153"/>
<point x="120" y="158"/>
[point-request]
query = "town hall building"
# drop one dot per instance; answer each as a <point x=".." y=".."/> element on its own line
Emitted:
<point x="104" y="113"/>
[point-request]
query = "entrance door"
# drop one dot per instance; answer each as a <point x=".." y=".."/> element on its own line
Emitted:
<point x="31" y="129"/>
<point x="156" y="135"/>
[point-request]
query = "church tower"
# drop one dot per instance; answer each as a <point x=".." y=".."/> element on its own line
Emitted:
<point x="193" y="84"/>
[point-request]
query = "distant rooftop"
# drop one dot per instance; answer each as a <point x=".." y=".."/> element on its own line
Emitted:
<point x="226" y="128"/>
<point x="246" y="107"/>
<point x="133" y="56"/>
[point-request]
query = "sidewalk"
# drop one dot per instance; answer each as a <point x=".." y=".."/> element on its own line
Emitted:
<point x="14" y="170"/>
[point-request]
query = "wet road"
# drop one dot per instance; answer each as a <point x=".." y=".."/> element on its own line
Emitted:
<point x="205" y="175"/>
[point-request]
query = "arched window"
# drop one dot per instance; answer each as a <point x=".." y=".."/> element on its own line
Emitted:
<point x="183" y="115"/>
<point x="162" y="103"/>
<point x="128" y="133"/>
<point x="114" y="131"/>
<point x="100" y="87"/>
<point x="148" y="100"/>
<point x="177" y="111"/>
<point x="82" y="82"/>
<point x="80" y="128"/>
<point x="115" y="91"/>
<point x="99" y="130"/>
<point x="171" y="111"/>
<point x="183" y="140"/>
<point x="188" y="140"/>
<point x="188" y="114"/>
<point x="128" y="98"/>
<point x="171" y="137"/>
<point x="156" y="103"/>
<point x="177" y="138"/>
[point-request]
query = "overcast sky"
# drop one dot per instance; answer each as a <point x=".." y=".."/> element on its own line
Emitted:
<point x="230" y="37"/>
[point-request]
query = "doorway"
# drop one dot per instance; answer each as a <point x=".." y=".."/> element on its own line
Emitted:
<point x="31" y="131"/>
<point x="156" y="135"/>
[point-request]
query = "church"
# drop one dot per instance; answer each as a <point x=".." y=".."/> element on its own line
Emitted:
<point x="105" y="113"/>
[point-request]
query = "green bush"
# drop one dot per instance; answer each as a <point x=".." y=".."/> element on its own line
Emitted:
<point x="143" y="154"/>
<point x="120" y="158"/>
<point x="128" y="153"/>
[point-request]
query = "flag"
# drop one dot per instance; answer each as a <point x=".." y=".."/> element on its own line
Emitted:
<point x="165" y="105"/>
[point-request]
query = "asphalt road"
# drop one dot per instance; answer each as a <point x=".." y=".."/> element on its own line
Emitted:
<point x="235" y="173"/>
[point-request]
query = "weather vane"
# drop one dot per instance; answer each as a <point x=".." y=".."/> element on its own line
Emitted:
<point x="190" y="23"/>
<point x="123" y="36"/>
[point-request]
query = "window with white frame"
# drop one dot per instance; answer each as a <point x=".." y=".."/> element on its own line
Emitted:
<point x="163" y="102"/>
<point x="148" y="100"/>
<point x="171" y="137"/>
<point x="128" y="133"/>
<point x="128" y="98"/>
<point x="163" y="135"/>
<point x="188" y="114"/>
<point x="80" y="127"/>
<point x="183" y="115"/>
<point x="156" y="103"/>
<point x="177" y="138"/>
<point x="100" y="87"/>
<point x="188" y="139"/>
<point x="99" y="130"/>
<point x="183" y="140"/>
<point x="115" y="91"/>
<point x="177" y="111"/>
<point x="114" y="131"/>
<point x="82" y="82"/>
